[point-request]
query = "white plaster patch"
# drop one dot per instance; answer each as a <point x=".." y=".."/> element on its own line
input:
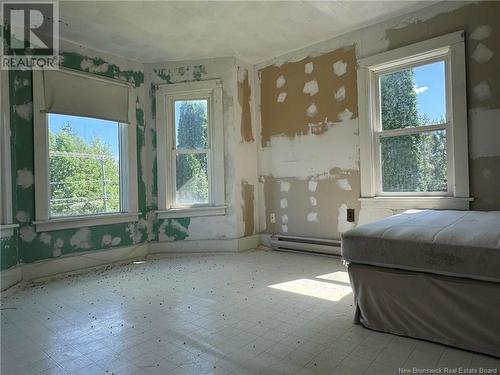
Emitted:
<point x="106" y="240"/>
<point x="284" y="186"/>
<point x="88" y="65"/>
<point x="343" y="225"/>
<point x="284" y="203"/>
<point x="312" y="185"/>
<point x="22" y="216"/>
<point x="24" y="178"/>
<point x="340" y="94"/>
<point x="81" y="239"/>
<point x="340" y="68"/>
<point x="312" y="217"/>
<point x="344" y="184"/>
<point x="481" y="32"/>
<point x="312" y="110"/>
<point x="284" y="219"/>
<point x="309" y="67"/>
<point x="346" y="115"/>
<point x="482" y="54"/>
<point x="280" y="82"/>
<point x="162" y="236"/>
<point x="135" y="235"/>
<point x="27" y="233"/>
<point x="58" y="244"/>
<point x="284" y="228"/>
<point x="482" y="91"/>
<point x="311" y="88"/>
<point x="313" y="201"/>
<point x="116" y="241"/>
<point x="311" y="155"/>
<point x="25" y="111"/>
<point x="242" y="74"/>
<point x="45" y="238"/>
<point x="281" y="97"/>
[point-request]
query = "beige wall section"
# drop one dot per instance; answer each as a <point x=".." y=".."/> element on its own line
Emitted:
<point x="293" y="160"/>
<point x="244" y="99"/>
<point x="312" y="207"/>
<point x="310" y="179"/>
<point x="307" y="95"/>
<point x="248" y="199"/>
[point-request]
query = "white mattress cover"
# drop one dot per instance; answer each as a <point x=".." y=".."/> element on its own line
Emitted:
<point x="456" y="243"/>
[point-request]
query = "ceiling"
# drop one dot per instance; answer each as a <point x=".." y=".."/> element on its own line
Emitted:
<point x="154" y="31"/>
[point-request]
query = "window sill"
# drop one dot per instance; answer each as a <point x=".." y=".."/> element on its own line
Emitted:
<point x="7" y="230"/>
<point x="405" y="203"/>
<point x="84" y="221"/>
<point x="191" y="212"/>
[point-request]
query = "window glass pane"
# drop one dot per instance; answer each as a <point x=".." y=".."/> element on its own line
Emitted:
<point x="84" y="166"/>
<point x="413" y="97"/>
<point x="191" y="124"/>
<point x="414" y="163"/>
<point x="191" y="178"/>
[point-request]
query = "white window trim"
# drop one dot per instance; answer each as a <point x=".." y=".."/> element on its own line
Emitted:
<point x="451" y="47"/>
<point x="165" y="96"/>
<point x="6" y="225"/>
<point x="128" y="165"/>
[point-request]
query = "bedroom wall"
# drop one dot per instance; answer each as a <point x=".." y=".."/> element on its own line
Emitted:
<point x="309" y="148"/>
<point x="27" y="245"/>
<point x="240" y="151"/>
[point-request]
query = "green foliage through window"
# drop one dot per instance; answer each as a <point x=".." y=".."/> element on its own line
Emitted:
<point x="84" y="176"/>
<point x="412" y="162"/>
<point x="191" y="120"/>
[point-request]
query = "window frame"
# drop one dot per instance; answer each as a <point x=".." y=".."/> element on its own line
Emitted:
<point x="128" y="165"/>
<point x="166" y="95"/>
<point x="6" y="225"/>
<point x="451" y="49"/>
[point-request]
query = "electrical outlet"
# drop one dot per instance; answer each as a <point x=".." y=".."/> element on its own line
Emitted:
<point x="272" y="218"/>
<point x="350" y="215"/>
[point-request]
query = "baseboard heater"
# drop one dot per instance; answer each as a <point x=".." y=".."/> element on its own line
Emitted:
<point x="305" y="244"/>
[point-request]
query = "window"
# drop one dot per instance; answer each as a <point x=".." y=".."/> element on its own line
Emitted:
<point x="413" y="126"/>
<point x="84" y="165"/>
<point x="85" y="169"/>
<point x="190" y="149"/>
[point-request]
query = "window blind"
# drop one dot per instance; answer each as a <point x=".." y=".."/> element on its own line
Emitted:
<point x="79" y="95"/>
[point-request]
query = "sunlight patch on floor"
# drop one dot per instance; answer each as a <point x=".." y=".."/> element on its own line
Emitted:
<point x="341" y="276"/>
<point x="314" y="288"/>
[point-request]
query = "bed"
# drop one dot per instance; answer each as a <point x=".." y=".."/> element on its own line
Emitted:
<point x="433" y="275"/>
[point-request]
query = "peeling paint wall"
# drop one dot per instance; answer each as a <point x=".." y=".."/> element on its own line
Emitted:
<point x="240" y="152"/>
<point x="244" y="99"/>
<point x="309" y="156"/>
<point x="302" y="141"/>
<point x="307" y="96"/>
<point x="248" y="198"/>
<point x="28" y="245"/>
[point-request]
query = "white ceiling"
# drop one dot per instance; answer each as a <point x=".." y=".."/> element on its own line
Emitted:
<point x="155" y="31"/>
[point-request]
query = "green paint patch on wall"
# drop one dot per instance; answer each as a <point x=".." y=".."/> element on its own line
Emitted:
<point x="198" y="72"/>
<point x="173" y="229"/>
<point x="97" y="65"/>
<point x="9" y="256"/>
<point x="31" y="246"/>
<point x="163" y="75"/>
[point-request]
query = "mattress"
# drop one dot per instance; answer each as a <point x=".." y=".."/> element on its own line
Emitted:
<point x="454" y="243"/>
